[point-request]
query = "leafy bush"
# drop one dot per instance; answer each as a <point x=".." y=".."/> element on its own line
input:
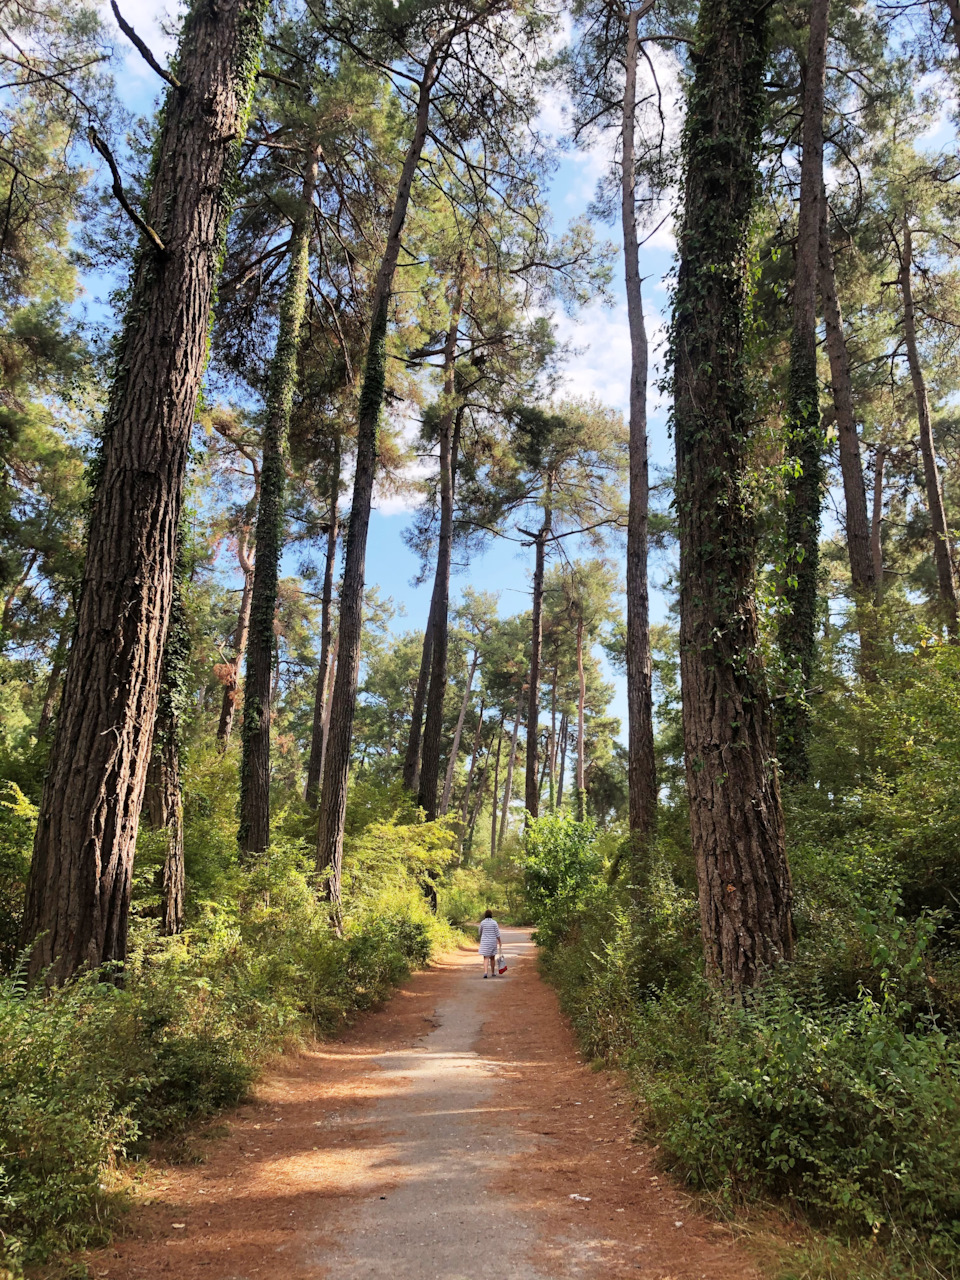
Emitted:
<point x="559" y="863"/>
<point x="18" y="818"/>
<point x="846" y="1104"/>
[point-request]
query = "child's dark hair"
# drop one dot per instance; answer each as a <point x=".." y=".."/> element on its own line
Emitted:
<point x="488" y="915"/>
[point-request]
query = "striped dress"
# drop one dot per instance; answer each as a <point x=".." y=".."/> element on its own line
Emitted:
<point x="489" y="937"/>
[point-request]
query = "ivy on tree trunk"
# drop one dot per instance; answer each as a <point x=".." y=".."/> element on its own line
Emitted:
<point x="254" y="832"/>
<point x="797" y="619"/>
<point x="736" y="818"/>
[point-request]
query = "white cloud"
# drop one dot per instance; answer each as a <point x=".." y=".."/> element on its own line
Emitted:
<point x="600" y="366"/>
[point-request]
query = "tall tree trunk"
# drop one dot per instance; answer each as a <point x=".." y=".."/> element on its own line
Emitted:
<point x="544" y="769"/>
<point x="231" y="688"/>
<point x="536" y="647"/>
<point x="56" y="670"/>
<point x="862" y="572"/>
<point x="411" y="760"/>
<point x="736" y="817"/>
<point x="457" y="734"/>
<point x="564" y="742"/>
<point x="876" y="523"/>
<point x="11" y="597"/>
<point x="254" y="832"/>
<point x="581" y="702"/>
<point x="331" y="678"/>
<point x="938" y="516"/>
<point x="315" y="763"/>
<point x="796" y="623"/>
<point x="464" y="808"/>
<point x="495" y="794"/>
<point x="164" y="795"/>
<point x="336" y="767"/>
<point x="552" y="741"/>
<point x="163" y="804"/>
<point x="508" y="785"/>
<point x="477" y="803"/>
<point x="641" y="767"/>
<point x="449" y="440"/>
<point x="79" y="889"/>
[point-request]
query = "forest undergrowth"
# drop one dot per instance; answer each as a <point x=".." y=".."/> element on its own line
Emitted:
<point x="93" y="1073"/>
<point x="832" y="1091"/>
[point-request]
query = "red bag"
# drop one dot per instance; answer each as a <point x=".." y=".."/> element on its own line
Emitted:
<point x="501" y="964"/>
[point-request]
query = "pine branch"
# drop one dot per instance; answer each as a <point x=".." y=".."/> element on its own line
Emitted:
<point x="142" y="48"/>
<point x="98" y="143"/>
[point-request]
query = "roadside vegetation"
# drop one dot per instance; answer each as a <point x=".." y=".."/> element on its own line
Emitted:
<point x="239" y="801"/>
<point x="831" y="1090"/>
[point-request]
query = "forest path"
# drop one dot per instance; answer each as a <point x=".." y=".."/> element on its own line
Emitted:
<point x="451" y="1134"/>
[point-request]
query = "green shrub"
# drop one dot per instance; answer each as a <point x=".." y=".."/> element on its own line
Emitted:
<point x="18" y="819"/>
<point x="559" y="863"/>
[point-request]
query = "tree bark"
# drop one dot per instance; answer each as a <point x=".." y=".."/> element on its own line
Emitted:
<point x="315" y="763"/>
<point x="477" y="804"/>
<point x="411" y="761"/>
<point x="508" y="785"/>
<point x="736" y="817"/>
<point x="464" y="808"/>
<point x="164" y="795"/>
<point x="433" y="725"/>
<point x="164" y="805"/>
<point x="552" y="745"/>
<point x="564" y="742"/>
<point x="641" y="768"/>
<point x="862" y="571"/>
<point x="876" y="524"/>
<point x="457" y="734"/>
<point x="862" y="568"/>
<point x="231" y="688"/>
<point x="254" y="832"/>
<point x="536" y="647"/>
<point x="581" y="701"/>
<point x="495" y="794"/>
<point x="796" y="621"/>
<point x="938" y="516"/>
<point x="79" y="889"/>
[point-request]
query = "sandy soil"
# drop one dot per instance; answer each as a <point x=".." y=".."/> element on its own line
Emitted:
<point x="451" y="1134"/>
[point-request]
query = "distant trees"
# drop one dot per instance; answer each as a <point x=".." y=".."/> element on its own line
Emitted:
<point x="570" y="462"/>
<point x="456" y="95"/>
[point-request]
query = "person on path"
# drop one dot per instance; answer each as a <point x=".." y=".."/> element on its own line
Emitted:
<point x="489" y="943"/>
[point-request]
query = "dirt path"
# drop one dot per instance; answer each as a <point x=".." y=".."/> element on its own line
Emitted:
<point x="451" y="1133"/>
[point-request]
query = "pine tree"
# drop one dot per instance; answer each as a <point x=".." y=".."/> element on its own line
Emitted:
<point x="736" y="818"/>
<point x="79" y="890"/>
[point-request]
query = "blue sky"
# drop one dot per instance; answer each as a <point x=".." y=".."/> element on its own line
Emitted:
<point x="599" y="367"/>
